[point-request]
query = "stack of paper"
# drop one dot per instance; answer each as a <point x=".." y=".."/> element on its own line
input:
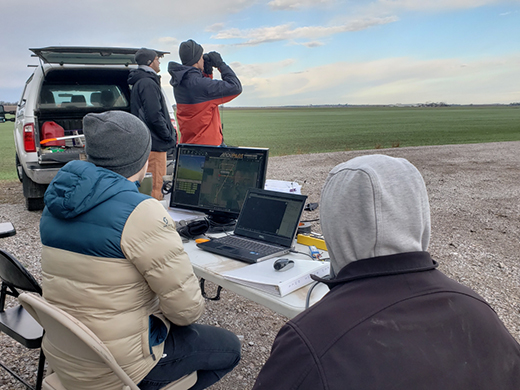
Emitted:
<point x="283" y="186"/>
<point x="264" y="277"/>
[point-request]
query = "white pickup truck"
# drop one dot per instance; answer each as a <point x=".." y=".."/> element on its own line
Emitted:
<point x="68" y="83"/>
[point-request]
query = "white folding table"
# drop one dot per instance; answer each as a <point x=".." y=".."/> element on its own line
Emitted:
<point x="209" y="266"/>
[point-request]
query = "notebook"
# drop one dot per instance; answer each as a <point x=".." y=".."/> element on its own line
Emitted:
<point x="264" y="277"/>
<point x="265" y="228"/>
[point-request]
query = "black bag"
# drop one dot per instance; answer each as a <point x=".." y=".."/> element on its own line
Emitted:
<point x="192" y="229"/>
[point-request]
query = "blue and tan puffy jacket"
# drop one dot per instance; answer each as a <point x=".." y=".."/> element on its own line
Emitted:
<point x="198" y="98"/>
<point x="112" y="258"/>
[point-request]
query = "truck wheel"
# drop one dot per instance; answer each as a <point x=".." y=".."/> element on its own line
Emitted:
<point x="19" y="169"/>
<point x="34" y="204"/>
<point x="33" y="193"/>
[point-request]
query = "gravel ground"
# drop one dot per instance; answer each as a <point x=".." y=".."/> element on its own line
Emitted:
<point x="474" y="192"/>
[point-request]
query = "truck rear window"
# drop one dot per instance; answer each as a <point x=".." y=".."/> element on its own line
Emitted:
<point x="68" y="97"/>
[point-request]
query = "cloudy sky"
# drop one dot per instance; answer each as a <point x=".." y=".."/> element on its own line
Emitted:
<point x="295" y="52"/>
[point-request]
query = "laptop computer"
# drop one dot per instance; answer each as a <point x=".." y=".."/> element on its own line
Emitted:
<point x="265" y="228"/>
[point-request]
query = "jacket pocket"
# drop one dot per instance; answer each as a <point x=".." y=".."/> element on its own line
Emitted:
<point x="157" y="331"/>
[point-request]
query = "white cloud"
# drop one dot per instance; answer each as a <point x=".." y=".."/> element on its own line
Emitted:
<point x="312" y="44"/>
<point x="170" y="41"/>
<point x="90" y="20"/>
<point x="282" y="32"/>
<point x="508" y="13"/>
<point x="249" y="72"/>
<point x="392" y="80"/>
<point x="423" y="5"/>
<point x="215" y="27"/>
<point x="296" y="4"/>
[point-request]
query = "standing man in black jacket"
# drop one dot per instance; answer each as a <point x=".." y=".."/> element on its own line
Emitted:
<point x="149" y="105"/>
<point x="391" y="320"/>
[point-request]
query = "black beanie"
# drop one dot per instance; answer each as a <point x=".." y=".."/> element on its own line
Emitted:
<point x="190" y="52"/>
<point x="117" y="140"/>
<point x="145" y="56"/>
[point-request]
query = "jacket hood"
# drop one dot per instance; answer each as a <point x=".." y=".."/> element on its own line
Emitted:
<point x="178" y="72"/>
<point x="137" y="74"/>
<point x="374" y="206"/>
<point x="80" y="186"/>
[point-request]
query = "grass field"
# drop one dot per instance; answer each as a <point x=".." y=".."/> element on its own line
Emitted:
<point x="7" y="153"/>
<point x="314" y="129"/>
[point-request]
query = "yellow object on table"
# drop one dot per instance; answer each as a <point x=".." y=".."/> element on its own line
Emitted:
<point x="312" y="239"/>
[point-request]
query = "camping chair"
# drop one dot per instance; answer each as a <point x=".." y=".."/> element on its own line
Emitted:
<point x="74" y="338"/>
<point x="16" y="322"/>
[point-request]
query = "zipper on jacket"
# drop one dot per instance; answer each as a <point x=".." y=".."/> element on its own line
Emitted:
<point x="151" y="352"/>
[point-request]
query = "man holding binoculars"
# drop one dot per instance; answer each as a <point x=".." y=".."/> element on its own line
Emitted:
<point x="198" y="95"/>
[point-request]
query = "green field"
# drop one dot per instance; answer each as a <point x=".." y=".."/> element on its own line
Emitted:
<point x="7" y="153"/>
<point x="314" y="129"/>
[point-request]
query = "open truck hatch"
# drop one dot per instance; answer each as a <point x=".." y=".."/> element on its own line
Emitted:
<point x="76" y="55"/>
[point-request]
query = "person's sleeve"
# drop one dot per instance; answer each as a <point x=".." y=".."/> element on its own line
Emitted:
<point x="291" y="365"/>
<point x="151" y="97"/>
<point x="151" y="242"/>
<point x="229" y="77"/>
<point x="225" y="90"/>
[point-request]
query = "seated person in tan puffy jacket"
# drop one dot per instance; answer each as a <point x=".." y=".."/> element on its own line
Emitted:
<point x="112" y="258"/>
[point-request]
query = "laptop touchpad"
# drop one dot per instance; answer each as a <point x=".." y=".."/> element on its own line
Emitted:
<point x="228" y="248"/>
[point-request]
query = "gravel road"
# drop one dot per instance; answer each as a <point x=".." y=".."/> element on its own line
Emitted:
<point x="474" y="195"/>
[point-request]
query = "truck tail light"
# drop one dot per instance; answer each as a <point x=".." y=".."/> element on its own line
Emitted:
<point x="28" y="138"/>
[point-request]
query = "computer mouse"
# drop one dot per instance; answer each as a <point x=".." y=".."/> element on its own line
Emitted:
<point x="283" y="264"/>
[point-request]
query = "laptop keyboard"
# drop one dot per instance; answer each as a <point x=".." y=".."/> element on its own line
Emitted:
<point x="250" y="245"/>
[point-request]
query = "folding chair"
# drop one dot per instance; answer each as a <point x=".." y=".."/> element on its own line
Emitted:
<point x="16" y="322"/>
<point x="72" y="337"/>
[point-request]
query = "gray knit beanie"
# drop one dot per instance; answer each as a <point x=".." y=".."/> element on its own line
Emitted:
<point x="190" y="52"/>
<point x="117" y="140"/>
<point x="145" y="56"/>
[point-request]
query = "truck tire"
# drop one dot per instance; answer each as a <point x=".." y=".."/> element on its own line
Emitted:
<point x="33" y="193"/>
<point x="34" y="204"/>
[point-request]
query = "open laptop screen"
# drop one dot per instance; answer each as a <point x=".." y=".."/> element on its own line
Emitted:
<point x="270" y="215"/>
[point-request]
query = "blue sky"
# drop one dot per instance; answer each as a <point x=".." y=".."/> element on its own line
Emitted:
<point x="296" y="52"/>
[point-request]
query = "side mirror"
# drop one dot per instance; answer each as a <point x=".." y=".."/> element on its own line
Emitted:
<point x="2" y="115"/>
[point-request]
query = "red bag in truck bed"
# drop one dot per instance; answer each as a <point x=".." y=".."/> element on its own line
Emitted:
<point x="53" y="130"/>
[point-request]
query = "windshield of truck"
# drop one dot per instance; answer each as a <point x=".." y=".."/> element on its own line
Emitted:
<point x="82" y="96"/>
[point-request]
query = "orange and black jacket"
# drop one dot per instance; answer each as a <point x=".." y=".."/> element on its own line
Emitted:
<point x="198" y="97"/>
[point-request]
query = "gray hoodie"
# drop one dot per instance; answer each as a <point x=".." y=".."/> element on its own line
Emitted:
<point x="373" y="206"/>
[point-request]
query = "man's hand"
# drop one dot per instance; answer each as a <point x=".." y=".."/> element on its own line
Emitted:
<point x="216" y="59"/>
<point x="208" y="65"/>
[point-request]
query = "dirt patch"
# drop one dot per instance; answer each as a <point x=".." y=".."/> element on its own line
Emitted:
<point x="11" y="192"/>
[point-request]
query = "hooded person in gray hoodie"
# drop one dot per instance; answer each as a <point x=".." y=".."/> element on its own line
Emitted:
<point x="391" y="320"/>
